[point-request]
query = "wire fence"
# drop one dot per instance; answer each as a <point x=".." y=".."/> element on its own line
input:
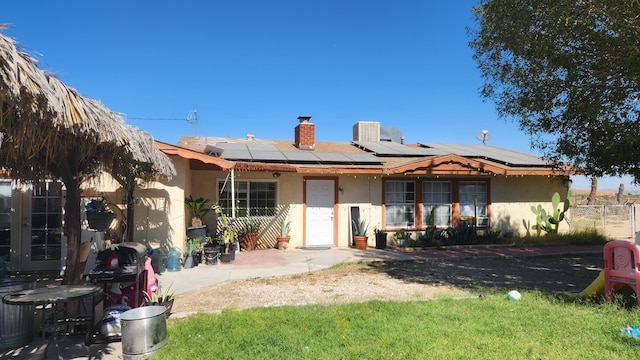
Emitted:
<point x="614" y="221"/>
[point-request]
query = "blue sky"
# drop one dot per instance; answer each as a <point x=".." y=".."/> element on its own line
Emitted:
<point x="253" y="66"/>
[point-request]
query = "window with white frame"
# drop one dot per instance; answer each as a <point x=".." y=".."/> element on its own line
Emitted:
<point x="436" y="199"/>
<point x="252" y="198"/>
<point x="473" y="200"/>
<point x="399" y="198"/>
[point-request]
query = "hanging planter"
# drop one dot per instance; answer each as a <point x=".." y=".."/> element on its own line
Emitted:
<point x="100" y="221"/>
<point x="98" y="215"/>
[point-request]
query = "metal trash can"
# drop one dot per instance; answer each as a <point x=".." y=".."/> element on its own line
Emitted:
<point x="16" y="321"/>
<point x="144" y="331"/>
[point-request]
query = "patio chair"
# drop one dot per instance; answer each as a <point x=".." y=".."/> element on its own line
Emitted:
<point x="621" y="262"/>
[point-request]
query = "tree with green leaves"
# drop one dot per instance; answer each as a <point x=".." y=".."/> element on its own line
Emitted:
<point x="568" y="71"/>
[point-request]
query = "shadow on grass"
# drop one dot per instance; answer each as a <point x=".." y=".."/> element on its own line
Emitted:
<point x="549" y="274"/>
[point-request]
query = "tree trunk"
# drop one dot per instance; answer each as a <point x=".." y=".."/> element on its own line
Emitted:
<point x="130" y="188"/>
<point x="594" y="188"/>
<point x="620" y="196"/>
<point x="67" y="172"/>
<point x="73" y="273"/>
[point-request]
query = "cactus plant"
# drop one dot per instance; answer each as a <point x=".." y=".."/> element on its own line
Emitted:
<point x="549" y="223"/>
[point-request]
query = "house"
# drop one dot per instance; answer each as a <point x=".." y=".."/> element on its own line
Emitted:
<point x="320" y="186"/>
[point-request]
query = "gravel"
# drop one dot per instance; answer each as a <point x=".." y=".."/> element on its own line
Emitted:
<point x="398" y="281"/>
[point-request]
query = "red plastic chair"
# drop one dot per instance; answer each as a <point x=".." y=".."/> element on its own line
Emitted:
<point x="621" y="267"/>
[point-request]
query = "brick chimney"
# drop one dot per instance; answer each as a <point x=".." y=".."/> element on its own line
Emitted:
<point x="305" y="134"/>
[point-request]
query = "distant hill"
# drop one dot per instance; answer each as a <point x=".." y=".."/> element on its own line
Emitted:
<point x="602" y="192"/>
<point x="604" y="196"/>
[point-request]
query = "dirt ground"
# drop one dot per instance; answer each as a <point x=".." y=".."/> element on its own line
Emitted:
<point x="399" y="281"/>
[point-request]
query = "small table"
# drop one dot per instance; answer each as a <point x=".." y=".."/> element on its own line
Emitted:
<point x="54" y="296"/>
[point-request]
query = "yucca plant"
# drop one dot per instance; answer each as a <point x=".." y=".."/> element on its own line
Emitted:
<point x="360" y="228"/>
<point x="159" y="296"/>
<point x="285" y="228"/>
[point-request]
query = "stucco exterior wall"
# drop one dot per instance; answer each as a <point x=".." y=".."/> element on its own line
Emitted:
<point x="162" y="210"/>
<point x="160" y="213"/>
<point x="364" y="192"/>
<point x="512" y="198"/>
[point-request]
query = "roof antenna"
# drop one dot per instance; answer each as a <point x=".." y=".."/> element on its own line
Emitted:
<point x="483" y="136"/>
<point x="192" y="118"/>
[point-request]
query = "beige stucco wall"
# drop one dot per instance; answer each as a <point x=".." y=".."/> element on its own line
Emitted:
<point x="161" y="218"/>
<point x="512" y="198"/>
<point x="365" y="192"/>
<point x="159" y="210"/>
<point x="160" y="213"/>
<point x="361" y="190"/>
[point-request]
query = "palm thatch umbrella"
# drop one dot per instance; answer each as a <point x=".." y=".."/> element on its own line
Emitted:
<point x="50" y="131"/>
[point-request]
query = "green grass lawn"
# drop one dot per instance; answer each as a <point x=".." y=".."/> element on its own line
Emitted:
<point x="537" y="327"/>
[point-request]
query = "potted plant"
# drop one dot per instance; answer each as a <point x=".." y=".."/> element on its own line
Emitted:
<point x="282" y="241"/>
<point x="248" y="233"/>
<point x="401" y="237"/>
<point x="197" y="208"/>
<point x="192" y="248"/>
<point x="381" y="238"/>
<point x="98" y="214"/>
<point x="360" y="233"/>
<point x="228" y="241"/>
<point x="162" y="298"/>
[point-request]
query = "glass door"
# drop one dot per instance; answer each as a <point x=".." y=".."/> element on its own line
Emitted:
<point x="43" y="244"/>
<point x="6" y="219"/>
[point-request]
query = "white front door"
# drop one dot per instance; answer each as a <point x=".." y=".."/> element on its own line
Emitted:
<point x="320" y="197"/>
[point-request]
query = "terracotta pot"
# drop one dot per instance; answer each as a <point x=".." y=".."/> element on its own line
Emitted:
<point x="361" y="242"/>
<point x="282" y="242"/>
<point x="248" y="241"/>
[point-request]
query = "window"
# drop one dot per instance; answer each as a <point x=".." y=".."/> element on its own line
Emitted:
<point x="436" y="199"/>
<point x="253" y="198"/>
<point x="5" y="219"/>
<point x="473" y="200"/>
<point x="399" y="199"/>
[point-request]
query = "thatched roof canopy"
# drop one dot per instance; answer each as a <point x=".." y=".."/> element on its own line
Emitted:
<point x="47" y="130"/>
<point x="35" y="105"/>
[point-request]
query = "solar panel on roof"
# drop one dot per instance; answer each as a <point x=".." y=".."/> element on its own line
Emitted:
<point x="332" y="157"/>
<point x="300" y="156"/>
<point x="261" y="147"/>
<point x="390" y="148"/>
<point x="236" y="154"/>
<point x="269" y="152"/>
<point x="489" y="152"/>
<point x="267" y="155"/>
<point x="363" y="158"/>
<point x="231" y="146"/>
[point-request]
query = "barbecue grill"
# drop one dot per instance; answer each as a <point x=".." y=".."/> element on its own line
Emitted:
<point x="131" y="257"/>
